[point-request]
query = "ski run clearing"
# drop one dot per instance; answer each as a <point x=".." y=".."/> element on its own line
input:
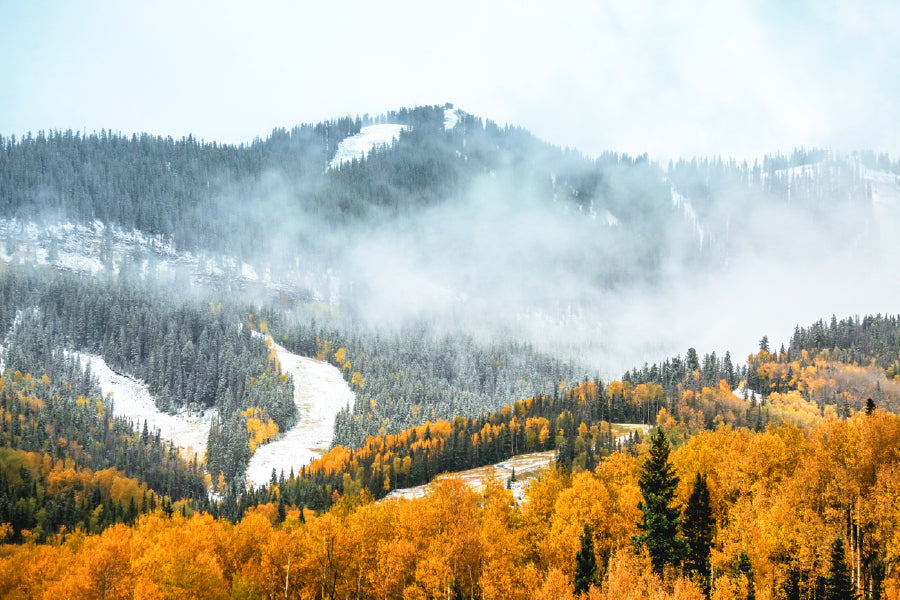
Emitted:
<point x="319" y="393"/>
<point x="133" y="401"/>
<point x="526" y="466"/>
<point x="359" y="145"/>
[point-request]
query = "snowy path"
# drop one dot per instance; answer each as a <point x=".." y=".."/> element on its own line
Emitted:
<point x="134" y="402"/>
<point x="526" y="466"/>
<point x="319" y="393"/>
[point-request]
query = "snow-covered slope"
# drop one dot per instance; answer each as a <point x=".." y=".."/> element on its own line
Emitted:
<point x="92" y="248"/>
<point x="679" y="201"/>
<point x="525" y="466"/>
<point x="885" y="189"/>
<point x="359" y="145"/>
<point x="451" y="117"/>
<point x="319" y="393"/>
<point x="132" y="400"/>
<point x="97" y="248"/>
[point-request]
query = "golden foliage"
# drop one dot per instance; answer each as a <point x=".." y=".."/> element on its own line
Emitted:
<point x="779" y="496"/>
<point x="260" y="431"/>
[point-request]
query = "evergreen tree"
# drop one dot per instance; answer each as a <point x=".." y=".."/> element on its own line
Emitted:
<point x="660" y="519"/>
<point x="745" y="567"/>
<point x="790" y="589"/>
<point x="838" y="585"/>
<point x="699" y="530"/>
<point x="692" y="361"/>
<point x="585" y="562"/>
<point x="877" y="572"/>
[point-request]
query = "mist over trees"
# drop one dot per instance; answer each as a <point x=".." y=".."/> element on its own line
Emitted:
<point x="479" y="226"/>
<point x="469" y="264"/>
<point x="478" y="290"/>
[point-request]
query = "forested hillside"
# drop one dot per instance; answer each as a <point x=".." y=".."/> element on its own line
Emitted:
<point x="471" y="283"/>
<point x="406" y="377"/>
<point x="192" y="354"/>
<point x="632" y="219"/>
<point x="682" y="394"/>
<point x="788" y="513"/>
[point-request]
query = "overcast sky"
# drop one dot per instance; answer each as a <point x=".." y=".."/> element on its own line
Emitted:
<point x="668" y="78"/>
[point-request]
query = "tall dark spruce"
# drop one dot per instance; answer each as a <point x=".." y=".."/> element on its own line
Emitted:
<point x="585" y="562"/>
<point x="699" y="531"/>
<point x="660" y="517"/>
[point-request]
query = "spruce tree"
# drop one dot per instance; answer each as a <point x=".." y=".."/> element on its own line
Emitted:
<point x="838" y="585"/>
<point x="745" y="567"/>
<point x="699" y="530"/>
<point x="585" y="562"/>
<point x="660" y="520"/>
<point x="877" y="572"/>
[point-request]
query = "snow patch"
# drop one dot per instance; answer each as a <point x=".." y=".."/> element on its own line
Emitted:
<point x="451" y="118"/>
<point x="747" y="394"/>
<point x="133" y="401"/>
<point x="679" y="201"/>
<point x="320" y="391"/>
<point x="359" y="145"/>
<point x="248" y="272"/>
<point x="611" y="219"/>
<point x="525" y="465"/>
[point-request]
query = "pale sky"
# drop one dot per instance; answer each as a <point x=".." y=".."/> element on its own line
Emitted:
<point x="668" y="78"/>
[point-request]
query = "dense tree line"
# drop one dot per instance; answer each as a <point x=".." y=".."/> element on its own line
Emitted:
<point x="690" y="372"/>
<point x="416" y="374"/>
<point x="49" y="416"/>
<point x="851" y="339"/>
<point x="796" y="513"/>
<point x="41" y="497"/>
<point x="153" y="184"/>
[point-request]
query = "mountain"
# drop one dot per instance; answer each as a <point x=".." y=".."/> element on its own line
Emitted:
<point x="460" y="265"/>
<point x="434" y="213"/>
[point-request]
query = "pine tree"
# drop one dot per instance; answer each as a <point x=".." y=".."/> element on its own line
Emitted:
<point x="877" y="572"/>
<point x="838" y="585"/>
<point x="699" y="530"/>
<point x="660" y="520"/>
<point x="745" y="567"/>
<point x="585" y="562"/>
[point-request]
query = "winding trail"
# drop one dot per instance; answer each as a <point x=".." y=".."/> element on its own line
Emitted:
<point x="319" y="393"/>
<point x="133" y="401"/>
